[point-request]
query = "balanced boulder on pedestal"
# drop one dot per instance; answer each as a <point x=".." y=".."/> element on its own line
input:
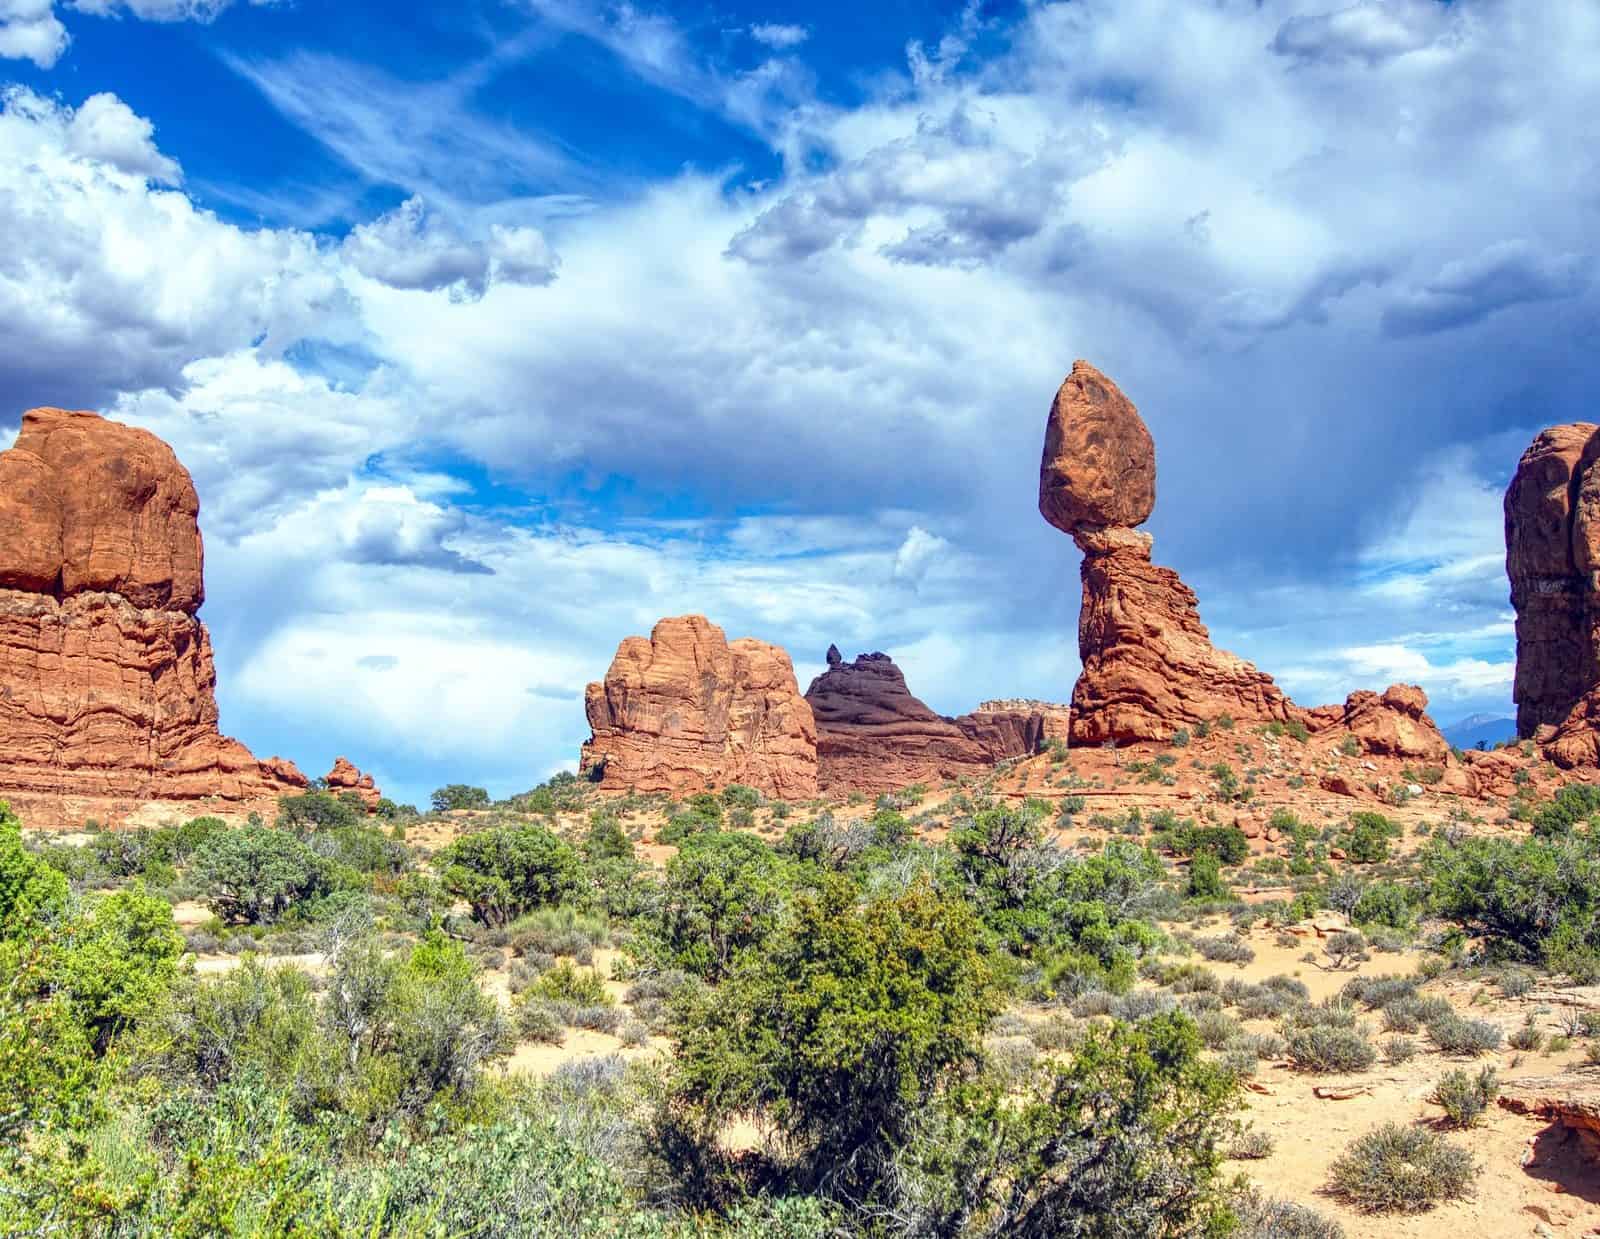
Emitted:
<point x="1149" y="667"/>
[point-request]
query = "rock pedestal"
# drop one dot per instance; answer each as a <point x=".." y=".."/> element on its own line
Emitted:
<point x="1149" y="667"/>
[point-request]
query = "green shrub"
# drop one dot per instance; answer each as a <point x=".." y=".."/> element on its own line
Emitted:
<point x="1373" y="992"/>
<point x="839" y="1031"/>
<point x="1139" y="1105"/>
<point x="319" y="811"/>
<point x="1400" y="1169"/>
<point x="1455" y="1035"/>
<point x="723" y="893"/>
<point x="1464" y="1095"/>
<point x="1205" y="877"/>
<point x="1367" y="840"/>
<point x="1397" y="1050"/>
<point x="1387" y="904"/>
<point x="119" y="960"/>
<point x="509" y="870"/>
<point x="1250" y="1146"/>
<point x="1263" y="1218"/>
<point x="458" y="796"/>
<point x="32" y="894"/>
<point x="568" y="983"/>
<point x="1321" y="1048"/>
<point x="538" y="1021"/>
<point x="1538" y="898"/>
<point x="1574" y="804"/>
<point x="1225" y="950"/>
<point x="254" y="875"/>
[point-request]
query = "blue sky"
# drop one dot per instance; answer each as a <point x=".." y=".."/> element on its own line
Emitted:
<point x="494" y="333"/>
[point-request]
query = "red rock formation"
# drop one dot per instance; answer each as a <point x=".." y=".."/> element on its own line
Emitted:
<point x="1395" y="724"/>
<point x="1055" y="717"/>
<point x="874" y="736"/>
<point x="107" y="687"/>
<point x="1575" y="744"/>
<point x="1099" y="464"/>
<point x="1149" y="667"/>
<point x="687" y="709"/>
<point x="345" y="777"/>
<point x="1571" y="1099"/>
<point x="1552" y="516"/>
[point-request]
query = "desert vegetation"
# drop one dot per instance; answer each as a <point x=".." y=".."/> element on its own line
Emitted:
<point x="933" y="1015"/>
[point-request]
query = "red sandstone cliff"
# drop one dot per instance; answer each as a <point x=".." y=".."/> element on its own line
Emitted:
<point x="688" y="709"/>
<point x="107" y="687"/>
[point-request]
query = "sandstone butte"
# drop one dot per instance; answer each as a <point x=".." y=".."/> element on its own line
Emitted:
<point x="874" y="736"/>
<point x="1149" y="667"/>
<point x="1552" y="522"/>
<point x="688" y="708"/>
<point x="345" y="777"/>
<point x="107" y="685"/>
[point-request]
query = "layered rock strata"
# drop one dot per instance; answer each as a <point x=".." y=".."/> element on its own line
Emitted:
<point x="107" y="684"/>
<point x="874" y="736"/>
<point x="687" y="709"/>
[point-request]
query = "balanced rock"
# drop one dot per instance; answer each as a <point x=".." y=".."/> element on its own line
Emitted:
<point x="1149" y="667"/>
<point x="687" y="709"/>
<point x="345" y="777"/>
<point x="874" y="736"/>
<point x="107" y="684"/>
<point x="1552" y="520"/>
<point x="1099" y="463"/>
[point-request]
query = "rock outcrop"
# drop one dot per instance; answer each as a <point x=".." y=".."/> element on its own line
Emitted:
<point x="1395" y="724"/>
<point x="687" y="709"/>
<point x="107" y="685"/>
<point x="874" y="736"/>
<point x="1552" y="510"/>
<point x="1552" y="517"/>
<point x="1149" y="667"/>
<point x="1571" y="1099"/>
<point x="1055" y="718"/>
<point x="345" y="777"/>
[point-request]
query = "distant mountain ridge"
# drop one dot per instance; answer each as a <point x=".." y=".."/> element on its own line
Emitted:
<point x="1490" y="729"/>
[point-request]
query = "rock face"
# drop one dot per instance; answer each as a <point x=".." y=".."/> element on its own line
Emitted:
<point x="1571" y="1099"/>
<point x="1553" y="560"/>
<point x="1149" y="667"/>
<point x="345" y="777"/>
<point x="688" y="709"/>
<point x="874" y="736"/>
<point x="1552" y="513"/>
<point x="107" y="686"/>
<point x="1055" y="717"/>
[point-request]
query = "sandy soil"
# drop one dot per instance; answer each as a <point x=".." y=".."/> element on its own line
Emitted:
<point x="1531" y="1173"/>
